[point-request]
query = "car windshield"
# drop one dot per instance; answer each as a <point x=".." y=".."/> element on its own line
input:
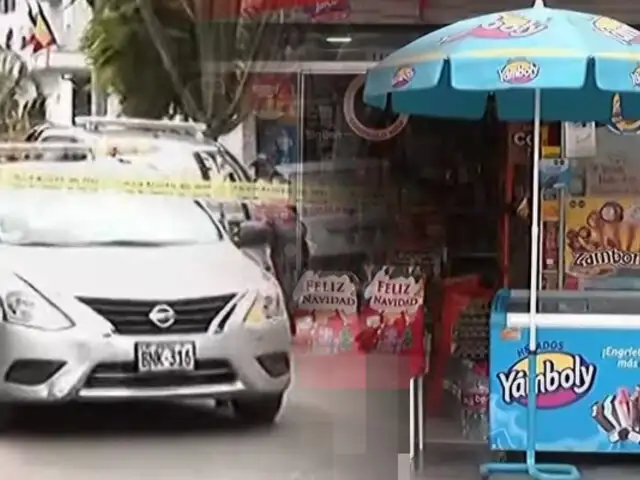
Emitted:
<point x="65" y="219"/>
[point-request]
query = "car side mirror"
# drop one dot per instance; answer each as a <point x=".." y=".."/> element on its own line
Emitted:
<point x="251" y="234"/>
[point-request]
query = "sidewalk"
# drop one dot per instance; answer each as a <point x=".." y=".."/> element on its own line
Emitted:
<point x="352" y="371"/>
<point x="442" y="462"/>
<point x="446" y="456"/>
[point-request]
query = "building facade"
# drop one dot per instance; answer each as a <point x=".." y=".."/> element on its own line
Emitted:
<point x="61" y="70"/>
<point x="333" y="37"/>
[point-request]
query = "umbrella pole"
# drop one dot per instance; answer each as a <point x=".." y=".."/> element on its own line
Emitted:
<point x="541" y="472"/>
<point x="533" y="285"/>
<point x="530" y="467"/>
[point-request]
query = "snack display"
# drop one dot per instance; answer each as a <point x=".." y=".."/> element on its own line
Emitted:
<point x="602" y="242"/>
<point x="341" y="322"/>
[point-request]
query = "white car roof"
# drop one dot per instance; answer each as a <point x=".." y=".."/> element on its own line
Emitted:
<point x="161" y="140"/>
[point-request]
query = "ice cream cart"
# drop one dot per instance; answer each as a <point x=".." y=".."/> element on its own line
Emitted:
<point x="587" y="379"/>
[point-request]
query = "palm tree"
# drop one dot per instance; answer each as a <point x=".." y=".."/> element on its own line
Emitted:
<point x="21" y="102"/>
<point x="162" y="56"/>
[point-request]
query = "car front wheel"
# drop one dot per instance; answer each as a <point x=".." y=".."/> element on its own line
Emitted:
<point x="262" y="410"/>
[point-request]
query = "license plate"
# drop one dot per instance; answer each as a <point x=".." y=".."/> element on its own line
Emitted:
<point x="165" y="356"/>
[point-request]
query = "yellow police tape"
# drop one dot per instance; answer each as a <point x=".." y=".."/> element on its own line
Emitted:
<point x="244" y="191"/>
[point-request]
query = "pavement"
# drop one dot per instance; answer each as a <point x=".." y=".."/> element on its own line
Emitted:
<point x="322" y="434"/>
<point x="449" y="461"/>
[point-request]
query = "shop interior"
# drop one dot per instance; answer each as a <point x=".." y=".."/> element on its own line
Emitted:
<point x="451" y="196"/>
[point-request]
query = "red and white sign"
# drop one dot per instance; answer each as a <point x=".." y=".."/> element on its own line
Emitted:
<point x="273" y="96"/>
<point x="216" y="9"/>
<point x="357" y="125"/>
<point x="339" y="341"/>
<point x="327" y="10"/>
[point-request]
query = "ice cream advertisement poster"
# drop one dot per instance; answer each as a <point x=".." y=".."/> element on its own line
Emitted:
<point x="602" y="243"/>
<point x="587" y="391"/>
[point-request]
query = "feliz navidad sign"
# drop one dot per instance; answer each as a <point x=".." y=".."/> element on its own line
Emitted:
<point x="335" y="313"/>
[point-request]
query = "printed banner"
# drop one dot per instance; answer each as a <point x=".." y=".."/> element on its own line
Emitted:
<point x="220" y="9"/>
<point x="587" y="391"/>
<point x="326" y="10"/>
<point x="615" y="174"/>
<point x="392" y="311"/>
<point x="602" y="243"/>
<point x="326" y="311"/>
<point x="274" y="96"/>
<point x="278" y="141"/>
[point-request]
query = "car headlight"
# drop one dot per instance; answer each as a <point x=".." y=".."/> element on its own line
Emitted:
<point x="28" y="308"/>
<point x="267" y="306"/>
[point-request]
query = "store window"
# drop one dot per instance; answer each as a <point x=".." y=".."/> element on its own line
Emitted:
<point x="275" y="101"/>
<point x="338" y="124"/>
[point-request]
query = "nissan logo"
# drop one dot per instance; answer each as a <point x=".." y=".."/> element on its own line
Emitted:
<point x="163" y="316"/>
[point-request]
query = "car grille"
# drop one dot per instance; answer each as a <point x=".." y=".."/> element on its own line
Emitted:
<point x="131" y="317"/>
<point x="125" y="375"/>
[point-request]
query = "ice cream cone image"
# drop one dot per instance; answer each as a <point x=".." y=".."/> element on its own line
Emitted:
<point x="600" y="417"/>
<point x="595" y="223"/>
<point x="631" y="226"/>
<point x="573" y="242"/>
<point x="585" y="239"/>
<point x="635" y="411"/>
<point x="612" y="215"/>
<point x="623" y="407"/>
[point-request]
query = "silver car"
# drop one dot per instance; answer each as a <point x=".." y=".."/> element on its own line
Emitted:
<point x="108" y="296"/>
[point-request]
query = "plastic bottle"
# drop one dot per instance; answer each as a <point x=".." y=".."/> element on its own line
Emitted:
<point x="475" y="401"/>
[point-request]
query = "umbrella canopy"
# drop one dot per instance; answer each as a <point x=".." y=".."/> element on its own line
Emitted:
<point x="578" y="60"/>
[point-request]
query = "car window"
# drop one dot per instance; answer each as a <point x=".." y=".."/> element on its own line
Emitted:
<point x="58" y="139"/>
<point x="227" y="212"/>
<point x="35" y="133"/>
<point x="55" y="218"/>
<point x="225" y="165"/>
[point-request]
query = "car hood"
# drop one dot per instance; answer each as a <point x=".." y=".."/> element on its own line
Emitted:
<point x="135" y="272"/>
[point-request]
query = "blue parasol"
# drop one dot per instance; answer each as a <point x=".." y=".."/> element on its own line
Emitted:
<point x="538" y="63"/>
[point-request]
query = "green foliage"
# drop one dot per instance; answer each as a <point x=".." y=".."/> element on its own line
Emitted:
<point x="21" y="103"/>
<point x="157" y="56"/>
<point x="120" y="49"/>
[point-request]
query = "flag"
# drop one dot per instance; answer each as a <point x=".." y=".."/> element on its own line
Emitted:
<point x="42" y="36"/>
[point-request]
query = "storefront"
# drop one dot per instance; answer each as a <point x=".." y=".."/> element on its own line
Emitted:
<point x="469" y="183"/>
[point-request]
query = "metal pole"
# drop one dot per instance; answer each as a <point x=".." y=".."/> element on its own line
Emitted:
<point x="298" y="185"/>
<point x="97" y="95"/>
<point x="412" y="422"/>
<point x="561" y="226"/>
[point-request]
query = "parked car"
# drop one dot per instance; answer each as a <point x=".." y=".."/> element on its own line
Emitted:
<point x="179" y="149"/>
<point x="99" y="305"/>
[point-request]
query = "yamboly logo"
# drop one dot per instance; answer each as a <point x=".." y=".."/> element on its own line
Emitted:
<point x="518" y="71"/>
<point x="635" y="76"/>
<point x="562" y="379"/>
<point x="402" y="77"/>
